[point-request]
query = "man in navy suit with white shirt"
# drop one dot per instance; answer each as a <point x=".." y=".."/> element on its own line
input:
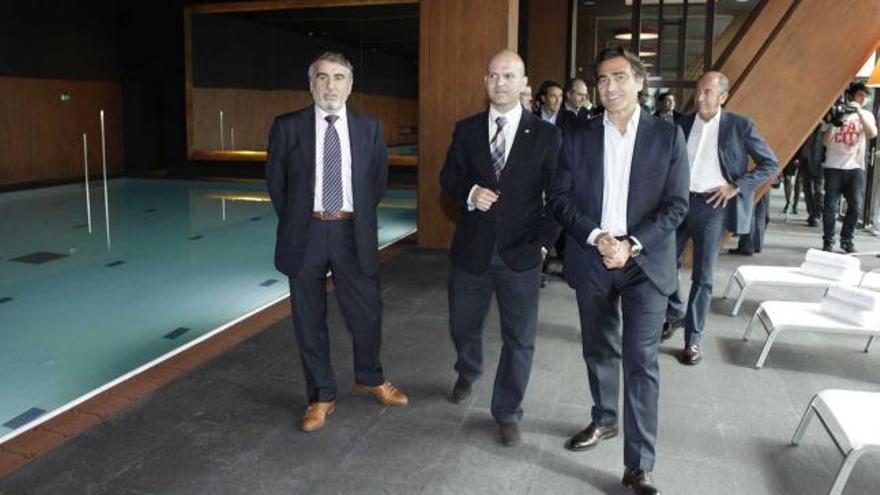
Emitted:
<point x="326" y="172"/>
<point x="722" y="189"/>
<point x="498" y="168"/>
<point x="620" y="192"/>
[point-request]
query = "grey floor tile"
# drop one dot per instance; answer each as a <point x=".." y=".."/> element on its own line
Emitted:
<point x="231" y="426"/>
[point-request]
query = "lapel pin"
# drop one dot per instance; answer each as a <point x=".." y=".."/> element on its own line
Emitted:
<point x="528" y="131"/>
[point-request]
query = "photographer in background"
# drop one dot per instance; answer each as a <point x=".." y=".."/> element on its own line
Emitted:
<point x="845" y="143"/>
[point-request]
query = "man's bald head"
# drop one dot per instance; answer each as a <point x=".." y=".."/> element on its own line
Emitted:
<point x="719" y="79"/>
<point x="505" y="79"/>
<point x="509" y="56"/>
<point x="712" y="92"/>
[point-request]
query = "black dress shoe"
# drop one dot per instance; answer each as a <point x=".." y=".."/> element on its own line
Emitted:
<point x="740" y="252"/>
<point x="669" y="329"/>
<point x="640" y="481"/>
<point x="589" y="438"/>
<point x="461" y="390"/>
<point x="691" y="355"/>
<point x="812" y="222"/>
<point x="827" y="246"/>
<point x="848" y="247"/>
<point x="510" y="434"/>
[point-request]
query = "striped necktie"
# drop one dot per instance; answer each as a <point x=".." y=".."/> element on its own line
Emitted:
<point x="332" y="185"/>
<point x="497" y="146"/>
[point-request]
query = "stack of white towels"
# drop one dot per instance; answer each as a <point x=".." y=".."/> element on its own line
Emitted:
<point x="834" y="266"/>
<point x="853" y="305"/>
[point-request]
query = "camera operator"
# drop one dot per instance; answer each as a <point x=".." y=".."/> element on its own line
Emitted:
<point x="845" y="143"/>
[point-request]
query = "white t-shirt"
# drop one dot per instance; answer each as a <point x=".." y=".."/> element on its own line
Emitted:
<point x="846" y="151"/>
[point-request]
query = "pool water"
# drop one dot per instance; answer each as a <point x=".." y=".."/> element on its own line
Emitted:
<point x="182" y="261"/>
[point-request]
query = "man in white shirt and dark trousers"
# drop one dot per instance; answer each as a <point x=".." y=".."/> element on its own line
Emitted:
<point x="845" y="167"/>
<point x="620" y="192"/>
<point x="719" y="144"/>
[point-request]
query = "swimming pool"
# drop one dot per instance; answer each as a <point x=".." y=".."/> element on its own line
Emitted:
<point x="185" y="257"/>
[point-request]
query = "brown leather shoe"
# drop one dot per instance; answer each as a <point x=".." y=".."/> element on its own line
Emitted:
<point x="387" y="394"/>
<point x="316" y="415"/>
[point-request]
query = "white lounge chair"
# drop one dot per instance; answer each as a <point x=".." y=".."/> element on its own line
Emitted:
<point x="819" y="270"/>
<point x="850" y="417"/>
<point x="831" y="316"/>
<point x="871" y="280"/>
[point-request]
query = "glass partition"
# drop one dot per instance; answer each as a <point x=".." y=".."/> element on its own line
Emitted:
<point x="246" y="66"/>
<point x="677" y="39"/>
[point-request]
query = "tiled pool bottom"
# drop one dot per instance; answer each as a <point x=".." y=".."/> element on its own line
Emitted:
<point x="75" y="315"/>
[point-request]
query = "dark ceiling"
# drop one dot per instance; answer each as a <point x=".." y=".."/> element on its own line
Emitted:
<point x="388" y="29"/>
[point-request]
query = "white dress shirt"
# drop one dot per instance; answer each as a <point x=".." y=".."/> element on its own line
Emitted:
<point x="341" y="126"/>
<point x="617" y="164"/>
<point x="702" y="148"/>
<point x="509" y="131"/>
<point x="549" y="117"/>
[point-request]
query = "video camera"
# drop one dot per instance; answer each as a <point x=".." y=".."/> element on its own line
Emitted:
<point x="841" y="107"/>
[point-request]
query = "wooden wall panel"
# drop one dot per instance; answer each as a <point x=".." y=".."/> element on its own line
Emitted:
<point x="733" y="64"/>
<point x="41" y="137"/>
<point x="547" y="41"/>
<point x="815" y="53"/>
<point x="456" y="38"/>
<point x="250" y="113"/>
<point x="585" y="47"/>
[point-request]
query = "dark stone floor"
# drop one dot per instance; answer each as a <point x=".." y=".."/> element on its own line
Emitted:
<point x="230" y="426"/>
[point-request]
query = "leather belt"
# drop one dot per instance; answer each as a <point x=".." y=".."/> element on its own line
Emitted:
<point x="339" y="215"/>
<point x="700" y="195"/>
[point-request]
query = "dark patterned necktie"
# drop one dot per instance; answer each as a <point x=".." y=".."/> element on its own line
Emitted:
<point x="497" y="146"/>
<point x="332" y="186"/>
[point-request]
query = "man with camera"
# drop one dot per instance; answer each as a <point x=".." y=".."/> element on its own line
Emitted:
<point x="845" y="141"/>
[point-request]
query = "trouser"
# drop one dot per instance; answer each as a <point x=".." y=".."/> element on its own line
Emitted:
<point x="625" y="294"/>
<point x="517" y="296"/>
<point x="851" y="185"/>
<point x="331" y="245"/>
<point x="813" y="193"/>
<point x="705" y="225"/>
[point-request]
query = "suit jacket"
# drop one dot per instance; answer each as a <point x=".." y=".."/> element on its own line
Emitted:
<point x="517" y="225"/>
<point x="558" y="120"/>
<point x="565" y="117"/>
<point x="290" y="174"/>
<point x="676" y="115"/>
<point x="812" y="153"/>
<point x="657" y="201"/>
<point x="738" y="139"/>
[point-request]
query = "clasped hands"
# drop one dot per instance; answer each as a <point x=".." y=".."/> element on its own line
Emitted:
<point x="615" y="252"/>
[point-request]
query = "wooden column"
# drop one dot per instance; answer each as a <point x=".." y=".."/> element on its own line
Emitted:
<point x="456" y="39"/>
<point x="548" y="41"/>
